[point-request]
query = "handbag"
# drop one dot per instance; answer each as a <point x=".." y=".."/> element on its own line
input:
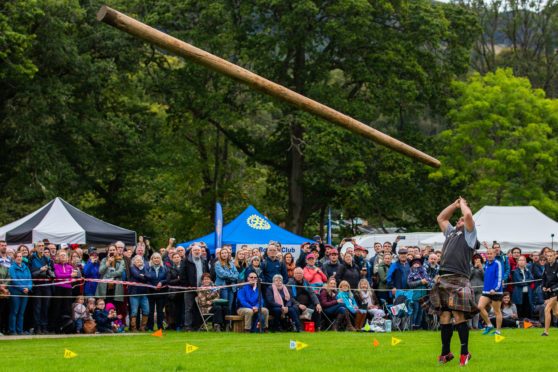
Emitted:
<point x="89" y="326"/>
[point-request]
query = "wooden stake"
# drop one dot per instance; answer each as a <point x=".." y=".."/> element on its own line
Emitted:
<point x="256" y="82"/>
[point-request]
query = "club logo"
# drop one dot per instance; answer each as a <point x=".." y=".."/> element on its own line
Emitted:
<point x="256" y="222"/>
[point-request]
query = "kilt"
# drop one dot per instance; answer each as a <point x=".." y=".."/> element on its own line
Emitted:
<point x="453" y="292"/>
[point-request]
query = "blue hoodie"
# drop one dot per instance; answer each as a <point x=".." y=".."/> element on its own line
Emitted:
<point x="493" y="276"/>
<point x="23" y="274"/>
<point x="91" y="271"/>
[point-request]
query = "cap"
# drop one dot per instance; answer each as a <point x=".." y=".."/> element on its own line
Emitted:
<point x="310" y="256"/>
<point x="303" y="244"/>
<point x="91" y="249"/>
<point x="333" y="251"/>
<point x="402" y="250"/>
<point x="328" y="246"/>
<point x="361" y="248"/>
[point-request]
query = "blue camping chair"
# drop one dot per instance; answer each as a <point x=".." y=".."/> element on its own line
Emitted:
<point x="400" y="312"/>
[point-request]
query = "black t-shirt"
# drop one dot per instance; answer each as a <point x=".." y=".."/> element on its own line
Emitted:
<point x="457" y="252"/>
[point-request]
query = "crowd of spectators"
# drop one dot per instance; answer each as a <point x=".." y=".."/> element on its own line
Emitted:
<point x="58" y="289"/>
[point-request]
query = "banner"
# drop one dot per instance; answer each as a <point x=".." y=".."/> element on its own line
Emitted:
<point x="329" y="227"/>
<point x="218" y="226"/>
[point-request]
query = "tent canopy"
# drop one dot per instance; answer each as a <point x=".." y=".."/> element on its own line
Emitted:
<point x="523" y="227"/>
<point x="251" y="227"/>
<point x="61" y="222"/>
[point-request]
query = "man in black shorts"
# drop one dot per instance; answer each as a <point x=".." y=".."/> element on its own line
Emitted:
<point x="492" y="292"/>
<point x="452" y="295"/>
<point x="550" y="288"/>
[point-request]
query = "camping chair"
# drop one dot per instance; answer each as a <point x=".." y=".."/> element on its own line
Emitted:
<point x="400" y="312"/>
<point x="205" y="317"/>
<point x="326" y="321"/>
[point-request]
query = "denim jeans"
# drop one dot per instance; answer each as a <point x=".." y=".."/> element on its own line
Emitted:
<point x="137" y="302"/>
<point x="79" y="324"/>
<point x="338" y="309"/>
<point x="417" y="313"/>
<point x="17" y="310"/>
<point x="227" y="294"/>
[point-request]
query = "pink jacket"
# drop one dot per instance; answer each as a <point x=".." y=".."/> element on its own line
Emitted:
<point x="312" y="276"/>
<point x="63" y="272"/>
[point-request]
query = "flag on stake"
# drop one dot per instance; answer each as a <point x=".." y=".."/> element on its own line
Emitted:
<point x="526" y="324"/>
<point x="376" y="343"/>
<point x="158" y="333"/>
<point x="367" y="326"/>
<point x="498" y="338"/>
<point x="69" y="354"/>
<point x="191" y="348"/>
<point x="300" y="345"/>
<point x="292" y="344"/>
<point x="395" y="341"/>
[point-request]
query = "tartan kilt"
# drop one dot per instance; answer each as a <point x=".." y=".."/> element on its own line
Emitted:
<point x="453" y="292"/>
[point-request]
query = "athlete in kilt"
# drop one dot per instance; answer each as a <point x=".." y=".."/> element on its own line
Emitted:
<point x="452" y="295"/>
<point x="550" y="288"/>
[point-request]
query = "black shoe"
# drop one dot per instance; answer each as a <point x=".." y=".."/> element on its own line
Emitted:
<point x="544" y="334"/>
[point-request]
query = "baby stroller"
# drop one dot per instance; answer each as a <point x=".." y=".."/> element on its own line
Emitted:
<point x="400" y="312"/>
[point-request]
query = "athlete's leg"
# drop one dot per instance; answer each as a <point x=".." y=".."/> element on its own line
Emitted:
<point x="496" y="305"/>
<point x="483" y="303"/>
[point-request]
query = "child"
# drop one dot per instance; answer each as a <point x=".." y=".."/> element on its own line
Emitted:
<point x="116" y="319"/>
<point x="101" y="317"/>
<point x="368" y="301"/>
<point x="349" y="301"/>
<point x="420" y="282"/>
<point x="80" y="313"/>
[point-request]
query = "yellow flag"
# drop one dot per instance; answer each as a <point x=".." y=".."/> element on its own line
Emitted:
<point x="191" y="348"/>
<point x="300" y="345"/>
<point x="69" y="354"/>
<point x="395" y="341"/>
<point x="367" y="327"/>
<point x="498" y="338"/>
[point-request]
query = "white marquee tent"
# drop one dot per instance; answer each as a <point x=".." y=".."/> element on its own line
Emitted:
<point x="523" y="227"/>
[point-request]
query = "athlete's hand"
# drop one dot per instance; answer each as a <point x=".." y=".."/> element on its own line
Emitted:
<point x="491" y="291"/>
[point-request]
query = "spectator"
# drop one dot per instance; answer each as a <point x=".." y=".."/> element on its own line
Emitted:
<point x="271" y="266"/>
<point x="116" y="320"/>
<point x="241" y="265"/>
<point x="191" y="270"/>
<point x="76" y="263"/>
<point x="226" y="275"/>
<point x="62" y="304"/>
<point x="41" y="268"/>
<point x="334" y="307"/>
<point x="138" y="294"/>
<point x="51" y="247"/>
<point x="367" y="300"/>
<point x="431" y="265"/>
<point x="250" y="302"/>
<point x="419" y="281"/>
<point x="522" y="295"/>
<point x="256" y="252"/>
<point x="383" y="286"/>
<point x="346" y="295"/>
<point x="288" y="259"/>
<point x="181" y="252"/>
<point x="360" y="256"/>
<point x="509" y="312"/>
<point x="349" y="271"/>
<point x="313" y="274"/>
<point x="254" y="267"/>
<point x="112" y="268"/>
<point x="79" y="313"/>
<point x="280" y="304"/>
<point x="175" y="301"/>
<point x="4" y="299"/>
<point x="399" y="272"/>
<point x="207" y="297"/>
<point x="377" y="258"/>
<point x="304" y="251"/>
<point x="503" y="260"/>
<point x="101" y="317"/>
<point x="156" y="277"/>
<point x="126" y="255"/>
<point x="20" y="286"/>
<point x="5" y="260"/>
<point x="332" y="266"/>
<point x="477" y="282"/>
<point x="24" y="252"/>
<point x="304" y="297"/>
<point x="537" y="269"/>
<point x="91" y="271"/>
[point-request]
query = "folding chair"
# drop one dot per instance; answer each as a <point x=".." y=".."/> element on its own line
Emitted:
<point x="400" y="312"/>
<point x="205" y="317"/>
<point x="326" y="319"/>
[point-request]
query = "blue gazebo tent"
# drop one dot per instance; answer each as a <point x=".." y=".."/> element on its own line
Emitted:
<point x="255" y="230"/>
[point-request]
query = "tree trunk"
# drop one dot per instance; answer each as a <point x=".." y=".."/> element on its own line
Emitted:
<point x="295" y="218"/>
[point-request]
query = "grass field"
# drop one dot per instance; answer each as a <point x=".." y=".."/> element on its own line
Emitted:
<point x="521" y="350"/>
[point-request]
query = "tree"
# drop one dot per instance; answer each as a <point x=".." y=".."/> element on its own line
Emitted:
<point x="502" y="145"/>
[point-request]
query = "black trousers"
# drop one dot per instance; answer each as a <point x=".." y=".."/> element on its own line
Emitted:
<point x="4" y="312"/>
<point x="524" y="309"/>
<point x="61" y="306"/>
<point x="40" y="307"/>
<point x="156" y="302"/>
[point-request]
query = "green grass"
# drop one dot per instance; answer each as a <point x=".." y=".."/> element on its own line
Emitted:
<point x="521" y="350"/>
